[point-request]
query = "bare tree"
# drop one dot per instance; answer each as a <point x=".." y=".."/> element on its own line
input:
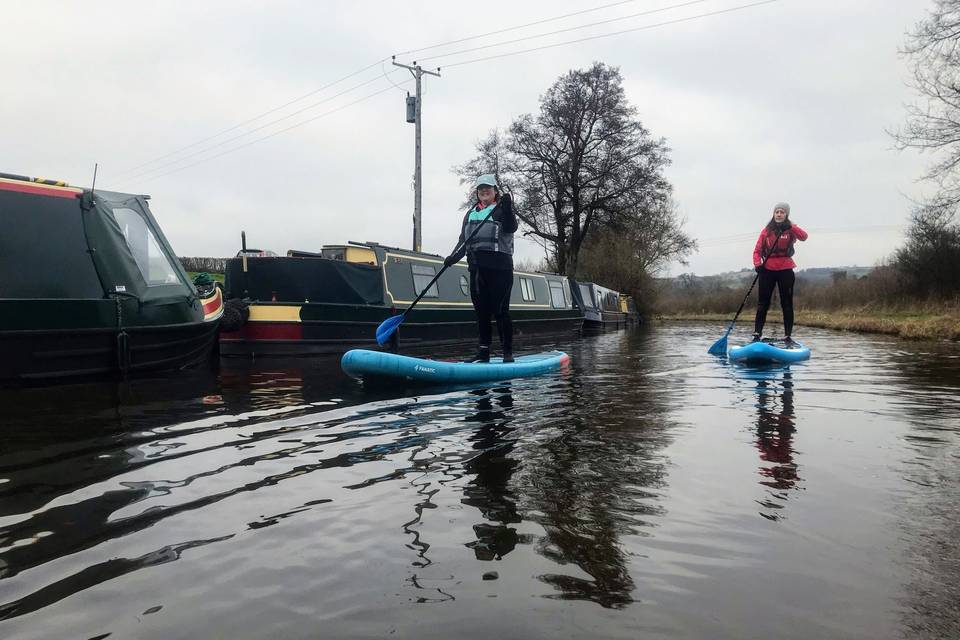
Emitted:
<point x="492" y="157"/>
<point x="933" y="124"/>
<point x="930" y="257"/>
<point x="584" y="161"/>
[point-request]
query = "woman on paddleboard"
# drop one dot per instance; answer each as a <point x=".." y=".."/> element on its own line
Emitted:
<point x="773" y="260"/>
<point x="490" y="261"/>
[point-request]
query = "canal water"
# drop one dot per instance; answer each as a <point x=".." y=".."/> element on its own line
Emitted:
<point x="648" y="491"/>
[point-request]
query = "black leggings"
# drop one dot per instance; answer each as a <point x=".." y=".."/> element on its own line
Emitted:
<point x="784" y="281"/>
<point x="490" y="292"/>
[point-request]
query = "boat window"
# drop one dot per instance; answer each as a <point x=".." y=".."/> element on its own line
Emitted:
<point x="526" y="289"/>
<point x="422" y="275"/>
<point x="153" y="263"/>
<point x="465" y="285"/>
<point x="587" y="294"/>
<point x="557" y="299"/>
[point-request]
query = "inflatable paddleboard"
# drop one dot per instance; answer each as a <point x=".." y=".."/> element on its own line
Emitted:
<point x="362" y="363"/>
<point x="769" y="353"/>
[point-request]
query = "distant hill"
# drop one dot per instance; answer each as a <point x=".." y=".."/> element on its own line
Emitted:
<point x="745" y="276"/>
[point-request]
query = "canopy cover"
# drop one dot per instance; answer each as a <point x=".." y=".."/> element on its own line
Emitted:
<point x="65" y="244"/>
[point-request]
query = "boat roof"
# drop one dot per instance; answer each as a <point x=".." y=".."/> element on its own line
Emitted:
<point x="47" y="187"/>
<point x="38" y="186"/>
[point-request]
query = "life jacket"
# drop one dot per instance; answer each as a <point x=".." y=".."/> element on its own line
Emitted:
<point x="491" y="236"/>
<point x="784" y="245"/>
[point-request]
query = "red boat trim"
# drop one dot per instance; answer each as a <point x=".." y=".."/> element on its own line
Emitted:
<point x="40" y="190"/>
<point x="265" y="331"/>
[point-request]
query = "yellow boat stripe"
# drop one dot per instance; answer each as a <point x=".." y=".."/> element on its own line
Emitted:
<point x="274" y="313"/>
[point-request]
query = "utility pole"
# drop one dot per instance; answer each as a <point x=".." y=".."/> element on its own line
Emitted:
<point x="417" y="71"/>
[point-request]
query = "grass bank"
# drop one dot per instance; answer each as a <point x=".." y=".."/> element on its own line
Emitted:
<point x="929" y="322"/>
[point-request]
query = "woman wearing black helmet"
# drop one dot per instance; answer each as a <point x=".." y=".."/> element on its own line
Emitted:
<point x="490" y="261"/>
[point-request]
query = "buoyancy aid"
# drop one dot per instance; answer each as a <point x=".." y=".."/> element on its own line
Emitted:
<point x="782" y="247"/>
<point x="491" y="236"/>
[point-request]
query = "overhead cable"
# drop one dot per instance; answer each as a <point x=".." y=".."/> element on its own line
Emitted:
<point x="253" y="119"/>
<point x="521" y="26"/>
<point x="255" y="129"/>
<point x="275" y="133"/>
<point x="574" y="28"/>
<point x="609" y="35"/>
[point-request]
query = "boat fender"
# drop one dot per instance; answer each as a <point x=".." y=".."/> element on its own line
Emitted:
<point x="236" y="312"/>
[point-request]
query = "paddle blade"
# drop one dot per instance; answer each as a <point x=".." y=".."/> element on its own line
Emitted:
<point x="387" y="328"/>
<point x="719" y="347"/>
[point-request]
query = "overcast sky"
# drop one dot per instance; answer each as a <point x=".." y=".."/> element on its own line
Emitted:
<point x="789" y="100"/>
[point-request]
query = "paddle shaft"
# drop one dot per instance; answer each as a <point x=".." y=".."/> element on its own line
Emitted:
<point x="459" y="246"/>
<point x="753" y="284"/>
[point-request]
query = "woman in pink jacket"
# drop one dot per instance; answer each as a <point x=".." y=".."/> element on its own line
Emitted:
<point x="773" y="260"/>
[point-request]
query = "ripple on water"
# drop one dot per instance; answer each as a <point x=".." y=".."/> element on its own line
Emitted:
<point x="650" y="490"/>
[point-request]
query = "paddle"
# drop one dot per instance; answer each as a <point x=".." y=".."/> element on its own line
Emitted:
<point x="719" y="347"/>
<point x="389" y="326"/>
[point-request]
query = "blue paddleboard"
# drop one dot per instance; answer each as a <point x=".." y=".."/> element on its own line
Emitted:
<point x="362" y="363"/>
<point x="769" y="353"/>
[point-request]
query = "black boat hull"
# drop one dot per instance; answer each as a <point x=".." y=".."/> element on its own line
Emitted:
<point x="56" y="354"/>
<point x="294" y="336"/>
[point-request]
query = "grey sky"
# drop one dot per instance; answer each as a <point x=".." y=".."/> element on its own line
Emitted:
<point x="784" y="101"/>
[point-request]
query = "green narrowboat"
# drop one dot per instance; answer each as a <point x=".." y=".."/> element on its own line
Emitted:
<point x="331" y="301"/>
<point x="89" y="286"/>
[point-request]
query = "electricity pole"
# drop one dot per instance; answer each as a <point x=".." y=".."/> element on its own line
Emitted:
<point x="417" y="71"/>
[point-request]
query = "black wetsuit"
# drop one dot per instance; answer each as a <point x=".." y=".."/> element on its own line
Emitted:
<point x="491" y="277"/>
<point x="783" y="279"/>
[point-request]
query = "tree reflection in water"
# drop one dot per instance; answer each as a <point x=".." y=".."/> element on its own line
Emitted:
<point x="586" y="464"/>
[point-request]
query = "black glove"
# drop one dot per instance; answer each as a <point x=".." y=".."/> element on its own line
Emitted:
<point x="758" y="268"/>
<point x="506" y="201"/>
<point x="450" y="261"/>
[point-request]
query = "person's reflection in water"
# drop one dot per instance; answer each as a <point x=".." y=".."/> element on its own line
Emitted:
<point x="775" y="429"/>
<point x="493" y="467"/>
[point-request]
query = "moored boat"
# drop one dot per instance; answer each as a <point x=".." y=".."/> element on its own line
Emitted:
<point x="332" y="301"/>
<point x="89" y="286"/>
<point x="603" y="308"/>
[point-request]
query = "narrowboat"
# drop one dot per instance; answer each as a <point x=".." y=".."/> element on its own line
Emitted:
<point x="89" y="286"/>
<point x="603" y="308"/>
<point x="331" y="301"/>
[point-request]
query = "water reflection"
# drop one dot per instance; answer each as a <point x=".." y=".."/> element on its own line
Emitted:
<point x="489" y="490"/>
<point x="261" y="499"/>
<point x="775" y="429"/>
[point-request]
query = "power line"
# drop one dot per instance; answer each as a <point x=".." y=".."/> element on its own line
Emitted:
<point x="608" y="35"/>
<point x="456" y="64"/>
<point x="522" y="26"/>
<point x="254" y="130"/>
<point x="576" y="28"/>
<point x="275" y="133"/>
<point x="380" y="62"/>
<point x="253" y="119"/>
<point x="383" y="70"/>
<point x="713" y="243"/>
